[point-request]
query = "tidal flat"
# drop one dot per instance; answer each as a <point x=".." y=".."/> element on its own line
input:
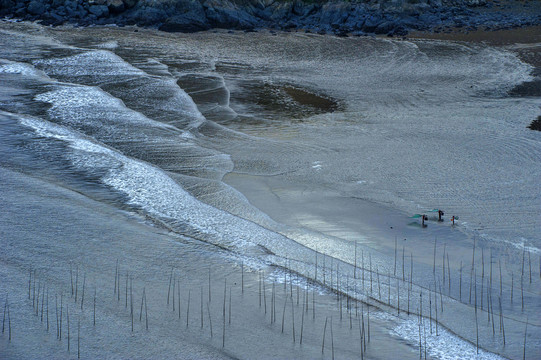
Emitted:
<point x="255" y="195"/>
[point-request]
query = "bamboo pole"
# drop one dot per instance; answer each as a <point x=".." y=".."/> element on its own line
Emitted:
<point x="210" y="319"/>
<point x="169" y="288"/>
<point x="116" y="274"/>
<point x="434" y="262"/>
<point x="395" y="248"/>
<point x="332" y="341"/>
<point x="83" y="295"/>
<point x="460" y="283"/>
<point x="472" y="267"/>
<point x="76" y="282"/>
<point x="188" y="308"/>
<point x="293" y="319"/>
<point x="323" y="341"/>
<point x="302" y="317"/>
<point x="68" y="320"/>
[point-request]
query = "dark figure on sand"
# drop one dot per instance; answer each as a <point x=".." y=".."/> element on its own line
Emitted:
<point x="440" y="214"/>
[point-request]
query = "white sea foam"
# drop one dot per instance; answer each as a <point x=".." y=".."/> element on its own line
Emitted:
<point x="22" y="69"/>
<point x="87" y="105"/>
<point x="90" y="63"/>
<point x="152" y="190"/>
<point x="444" y="346"/>
<point x="113" y="44"/>
<point x="99" y="67"/>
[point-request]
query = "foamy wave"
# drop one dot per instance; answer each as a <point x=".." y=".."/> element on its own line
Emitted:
<point x="91" y="106"/>
<point x="444" y="346"/>
<point x="152" y="190"/>
<point x="99" y="67"/>
<point x="95" y="63"/>
<point x="22" y="69"/>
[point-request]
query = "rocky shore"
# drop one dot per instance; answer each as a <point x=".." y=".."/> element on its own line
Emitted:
<point x="390" y="17"/>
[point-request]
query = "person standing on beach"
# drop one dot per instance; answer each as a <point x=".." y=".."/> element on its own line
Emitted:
<point x="440" y="214"/>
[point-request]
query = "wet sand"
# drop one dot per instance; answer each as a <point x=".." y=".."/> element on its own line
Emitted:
<point x="336" y="221"/>
<point x="98" y="242"/>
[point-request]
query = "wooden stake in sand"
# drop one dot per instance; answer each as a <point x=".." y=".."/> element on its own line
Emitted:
<point x="201" y="303"/>
<point x="460" y="283"/>
<point x="76" y="282"/>
<point x="126" y="305"/>
<point x="68" y="319"/>
<point x="169" y="288"/>
<point x="332" y="341"/>
<point x="355" y="267"/>
<point x="477" y="333"/>
<point x="141" y="311"/>
<point x="79" y="338"/>
<point x="4" y="317"/>
<point x="430" y="307"/>
<point x="83" y="295"/>
<point x="395" y="248"/>
<point x="116" y="274"/>
<point x="434" y="263"/>
<point x="403" y="263"/>
<point x="42" y="302"/>
<point x="173" y="300"/>
<point x="324" y="330"/>
<point x="525" y="332"/>
<point x="146" y="312"/>
<point x="210" y="320"/>
<point x="60" y="330"/>
<point x="29" y="283"/>
<point x="188" y="308"/>
<point x="131" y="301"/>
<point x="229" y="314"/>
<point x="472" y="267"/>
<point x="302" y="317"/>
<point x="71" y="278"/>
<point x="512" y="285"/>
<point x="293" y="319"/>
<point x="443" y="263"/>
<point x="47" y="309"/>
<point x="56" y="310"/>
<point x="284" y="314"/>
<point x="94" y="306"/>
<point x="9" y="325"/>
<point x="223" y="332"/>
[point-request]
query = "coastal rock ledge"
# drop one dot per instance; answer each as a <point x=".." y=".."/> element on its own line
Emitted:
<point x="390" y="17"/>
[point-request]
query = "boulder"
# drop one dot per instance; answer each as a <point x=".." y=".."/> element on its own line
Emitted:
<point x="99" y="10"/>
<point x="36" y="7"/>
<point x="51" y="19"/>
<point x="116" y="6"/>
<point x="7" y="7"/>
<point x="371" y="23"/>
<point x="224" y="14"/>
<point x="130" y="3"/>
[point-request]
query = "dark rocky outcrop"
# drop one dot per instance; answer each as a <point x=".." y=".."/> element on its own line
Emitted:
<point x="391" y="17"/>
